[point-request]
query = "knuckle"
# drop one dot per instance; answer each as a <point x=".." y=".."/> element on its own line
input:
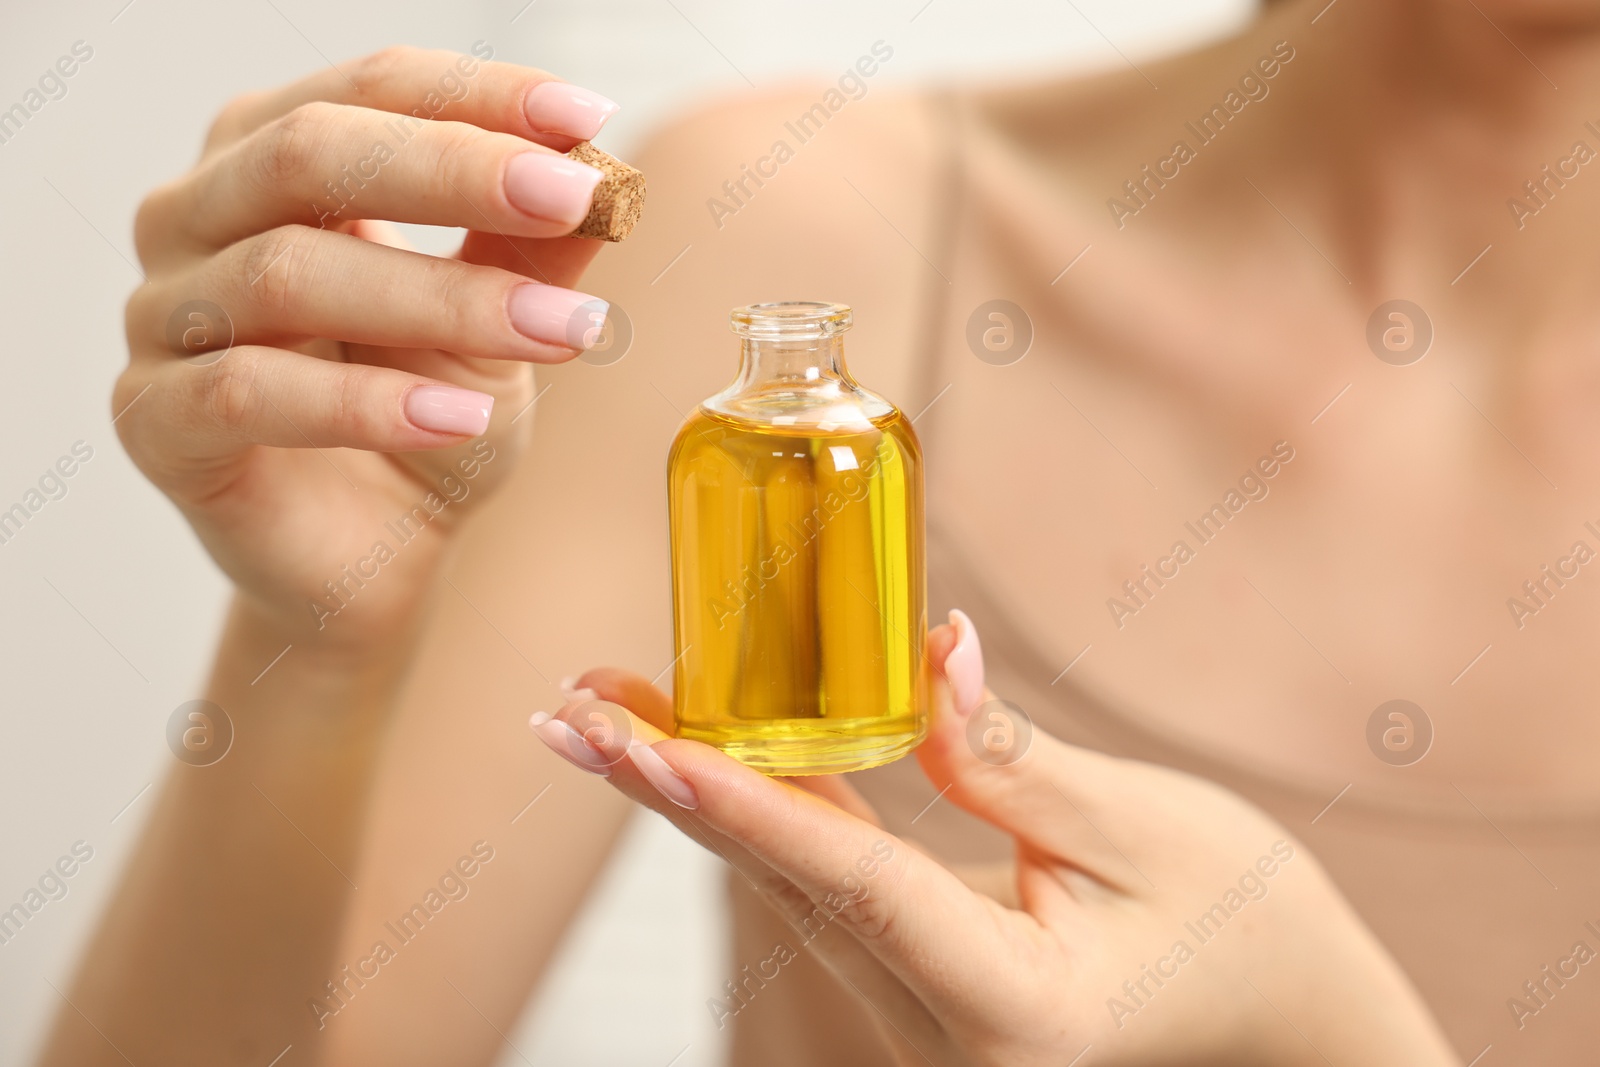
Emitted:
<point x="136" y="314"/>
<point x="870" y="918"/>
<point x="373" y="70"/>
<point x="228" y="393"/>
<point x="873" y="915"/>
<point x="351" y="411"/>
<point x="124" y="391"/>
<point x="232" y="121"/>
<point x="452" y="284"/>
<point x="153" y="223"/>
<point x="266" y="266"/>
<point x="287" y="147"/>
<point x="457" y="153"/>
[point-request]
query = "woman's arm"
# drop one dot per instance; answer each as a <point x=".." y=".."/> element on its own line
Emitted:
<point x="229" y="913"/>
<point x="316" y="399"/>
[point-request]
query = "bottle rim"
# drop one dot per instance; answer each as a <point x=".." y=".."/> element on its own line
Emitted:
<point x="791" y="320"/>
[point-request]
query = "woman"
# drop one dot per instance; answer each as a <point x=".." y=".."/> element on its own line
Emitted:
<point x="1212" y="329"/>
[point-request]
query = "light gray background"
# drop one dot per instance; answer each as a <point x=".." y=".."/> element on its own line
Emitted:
<point x="109" y="608"/>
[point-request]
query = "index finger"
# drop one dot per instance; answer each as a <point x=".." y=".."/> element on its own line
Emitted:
<point x="919" y="919"/>
<point x="435" y="84"/>
<point x="639" y="695"/>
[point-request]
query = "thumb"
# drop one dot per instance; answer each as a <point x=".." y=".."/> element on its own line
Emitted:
<point x="1078" y="805"/>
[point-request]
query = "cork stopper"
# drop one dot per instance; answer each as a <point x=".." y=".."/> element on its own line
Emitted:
<point x="618" y="199"/>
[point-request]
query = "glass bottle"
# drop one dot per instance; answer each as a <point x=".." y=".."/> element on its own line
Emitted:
<point x="798" y="573"/>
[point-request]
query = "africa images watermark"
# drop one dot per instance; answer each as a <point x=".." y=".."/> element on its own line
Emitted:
<point x="51" y="486"/>
<point x="1252" y="87"/>
<point x="1540" y="990"/>
<point x="51" y="85"/>
<point x="1253" y="486"/>
<point x="1540" y="191"/>
<point x="1537" y="592"/>
<point x="453" y="885"/>
<point x="403" y="529"/>
<point x="51" y="885"/>
<point x="852" y="85"/>
<point x="1250" y="887"/>
<point x="1399" y="733"/>
<point x="853" y="890"/>
<point x="453" y="86"/>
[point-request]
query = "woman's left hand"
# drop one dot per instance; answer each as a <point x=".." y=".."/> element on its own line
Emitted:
<point x="1161" y="919"/>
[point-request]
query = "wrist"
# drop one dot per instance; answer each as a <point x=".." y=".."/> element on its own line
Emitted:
<point x="284" y="681"/>
<point x="342" y="651"/>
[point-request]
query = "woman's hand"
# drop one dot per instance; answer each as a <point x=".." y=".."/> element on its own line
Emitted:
<point x="316" y="398"/>
<point x="305" y="387"/>
<point x="1157" y="918"/>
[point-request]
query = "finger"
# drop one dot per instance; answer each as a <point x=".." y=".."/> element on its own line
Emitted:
<point x="295" y="282"/>
<point x="433" y="84"/>
<point x="608" y="726"/>
<point x="836" y="790"/>
<point x="1069" y="802"/>
<point x="176" y="411"/>
<point x="628" y="757"/>
<point x="633" y="691"/>
<point x="323" y="164"/>
<point x="907" y="910"/>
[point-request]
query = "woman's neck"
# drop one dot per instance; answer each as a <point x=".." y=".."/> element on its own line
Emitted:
<point x="1441" y="125"/>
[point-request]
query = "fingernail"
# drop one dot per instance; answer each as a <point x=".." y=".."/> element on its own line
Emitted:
<point x="559" y="107"/>
<point x="446" y="409"/>
<point x="572" y="694"/>
<point x="557" y="316"/>
<point x="552" y="187"/>
<point x="672" y="785"/>
<point x="566" y="742"/>
<point x="963" y="667"/>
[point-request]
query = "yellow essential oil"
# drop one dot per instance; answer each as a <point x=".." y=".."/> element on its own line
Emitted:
<point x="797" y="558"/>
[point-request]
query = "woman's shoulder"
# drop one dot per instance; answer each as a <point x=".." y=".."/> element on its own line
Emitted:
<point x="733" y="145"/>
<point x="862" y="153"/>
<point x="836" y="188"/>
<point x="791" y="154"/>
<point x="806" y="190"/>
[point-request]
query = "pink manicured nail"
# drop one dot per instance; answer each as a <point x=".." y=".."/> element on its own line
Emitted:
<point x="552" y="187"/>
<point x="963" y="667"/>
<point x="567" y="743"/>
<point x="557" y="316"/>
<point x="445" y="409"/>
<point x="573" y="695"/>
<point x="558" y="107"/>
<point x="672" y="785"/>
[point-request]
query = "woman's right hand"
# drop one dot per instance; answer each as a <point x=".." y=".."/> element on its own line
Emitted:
<point x="306" y="388"/>
<point x="1124" y="874"/>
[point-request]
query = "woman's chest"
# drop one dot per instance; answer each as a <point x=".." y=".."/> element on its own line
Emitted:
<point x="1253" y="533"/>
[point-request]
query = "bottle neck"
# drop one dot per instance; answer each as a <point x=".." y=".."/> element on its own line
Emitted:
<point x="792" y="364"/>
<point x="797" y="381"/>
